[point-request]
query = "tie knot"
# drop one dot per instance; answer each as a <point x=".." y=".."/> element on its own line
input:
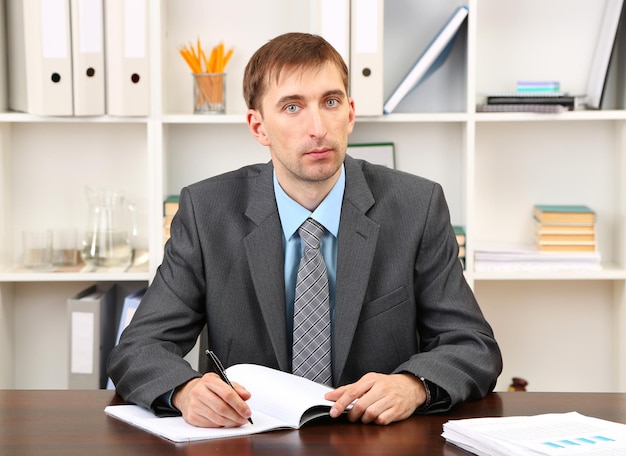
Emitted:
<point x="311" y="233"/>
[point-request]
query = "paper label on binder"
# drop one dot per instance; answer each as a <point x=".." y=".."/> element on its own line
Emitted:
<point x="366" y="26"/>
<point x="134" y="29"/>
<point x="333" y="22"/>
<point x="54" y="29"/>
<point x="90" y="27"/>
<point x="82" y="341"/>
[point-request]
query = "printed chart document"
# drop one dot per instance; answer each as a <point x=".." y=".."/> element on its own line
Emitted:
<point x="561" y="434"/>
<point x="279" y="401"/>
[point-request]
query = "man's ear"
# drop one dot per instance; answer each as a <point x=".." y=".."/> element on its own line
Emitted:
<point x="255" y="124"/>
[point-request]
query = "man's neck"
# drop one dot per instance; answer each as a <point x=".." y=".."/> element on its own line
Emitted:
<point x="308" y="194"/>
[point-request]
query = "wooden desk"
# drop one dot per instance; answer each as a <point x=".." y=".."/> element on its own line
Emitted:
<point x="73" y="423"/>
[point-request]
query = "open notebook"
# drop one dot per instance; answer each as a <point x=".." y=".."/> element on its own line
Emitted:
<point x="279" y="401"/>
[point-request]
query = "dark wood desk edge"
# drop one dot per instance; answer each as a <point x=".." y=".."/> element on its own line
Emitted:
<point x="609" y="406"/>
<point x="65" y="422"/>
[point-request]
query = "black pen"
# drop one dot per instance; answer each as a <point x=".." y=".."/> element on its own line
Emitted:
<point x="217" y="365"/>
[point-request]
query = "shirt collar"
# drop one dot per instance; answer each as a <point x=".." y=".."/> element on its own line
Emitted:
<point x="292" y="214"/>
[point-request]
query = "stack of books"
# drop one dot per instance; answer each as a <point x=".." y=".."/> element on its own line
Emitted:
<point x="459" y="231"/>
<point x="170" y="207"/>
<point x="564" y="239"/>
<point x="565" y="228"/>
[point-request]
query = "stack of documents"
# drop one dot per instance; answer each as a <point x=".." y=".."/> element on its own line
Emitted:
<point x="560" y="434"/>
<point x="490" y="257"/>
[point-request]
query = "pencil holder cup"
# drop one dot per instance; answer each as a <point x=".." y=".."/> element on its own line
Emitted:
<point x="209" y="93"/>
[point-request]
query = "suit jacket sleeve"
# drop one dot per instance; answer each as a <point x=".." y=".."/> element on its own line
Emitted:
<point x="457" y="349"/>
<point x="148" y="361"/>
<point x="402" y="301"/>
<point x="223" y="267"/>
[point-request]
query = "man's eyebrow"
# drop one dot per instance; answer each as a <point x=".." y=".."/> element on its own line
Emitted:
<point x="291" y="98"/>
<point x="335" y="93"/>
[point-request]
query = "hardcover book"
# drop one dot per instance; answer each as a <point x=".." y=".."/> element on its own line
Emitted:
<point x="432" y="58"/>
<point x="602" y="56"/>
<point x="564" y="214"/>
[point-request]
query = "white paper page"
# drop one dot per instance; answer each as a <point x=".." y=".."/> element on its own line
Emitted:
<point x="177" y="429"/>
<point x="549" y="434"/>
<point x="277" y="393"/>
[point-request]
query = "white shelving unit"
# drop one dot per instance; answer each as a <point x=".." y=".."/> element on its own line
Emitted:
<point x="562" y="331"/>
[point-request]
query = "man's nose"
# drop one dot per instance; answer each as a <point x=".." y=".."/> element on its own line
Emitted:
<point x="316" y="124"/>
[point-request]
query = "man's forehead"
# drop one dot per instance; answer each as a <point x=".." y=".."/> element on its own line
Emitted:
<point x="292" y="73"/>
<point x="279" y="75"/>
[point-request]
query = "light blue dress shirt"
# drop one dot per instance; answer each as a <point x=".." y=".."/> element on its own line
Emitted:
<point x="292" y="215"/>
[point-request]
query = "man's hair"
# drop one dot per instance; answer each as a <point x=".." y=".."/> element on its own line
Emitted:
<point x="292" y="51"/>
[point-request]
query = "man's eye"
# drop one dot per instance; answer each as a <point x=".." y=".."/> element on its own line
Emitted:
<point x="332" y="102"/>
<point x="291" y="108"/>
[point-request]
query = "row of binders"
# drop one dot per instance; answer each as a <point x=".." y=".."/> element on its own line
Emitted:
<point x="91" y="57"/>
<point x="355" y="29"/>
<point x="96" y="318"/>
<point x="78" y="57"/>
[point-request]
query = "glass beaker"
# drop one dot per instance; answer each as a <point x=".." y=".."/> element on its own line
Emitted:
<point x="111" y="222"/>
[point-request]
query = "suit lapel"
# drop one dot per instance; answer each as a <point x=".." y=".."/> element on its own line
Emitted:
<point x="265" y="252"/>
<point x="358" y="236"/>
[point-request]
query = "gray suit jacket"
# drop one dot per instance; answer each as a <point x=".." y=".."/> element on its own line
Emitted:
<point x="402" y="303"/>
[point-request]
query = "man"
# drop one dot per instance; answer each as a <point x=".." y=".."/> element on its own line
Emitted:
<point x="407" y="334"/>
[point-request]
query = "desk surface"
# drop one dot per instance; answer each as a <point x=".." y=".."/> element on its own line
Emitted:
<point x="73" y="423"/>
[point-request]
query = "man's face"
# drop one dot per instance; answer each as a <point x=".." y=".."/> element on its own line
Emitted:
<point x="307" y="118"/>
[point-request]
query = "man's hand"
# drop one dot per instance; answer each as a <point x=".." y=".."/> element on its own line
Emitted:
<point x="380" y="398"/>
<point x="210" y="402"/>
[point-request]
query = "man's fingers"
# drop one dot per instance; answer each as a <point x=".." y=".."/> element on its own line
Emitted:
<point x="210" y="402"/>
<point x="378" y="398"/>
<point x="349" y="395"/>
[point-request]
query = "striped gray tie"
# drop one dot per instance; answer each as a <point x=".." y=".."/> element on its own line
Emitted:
<point x="311" y="319"/>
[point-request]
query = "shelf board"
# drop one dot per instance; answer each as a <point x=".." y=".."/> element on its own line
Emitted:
<point x="608" y="272"/>
<point x="428" y="117"/>
<point x="75" y="277"/>
<point x="393" y="118"/>
<point x="424" y="117"/>
<point x="20" y="117"/>
<point x="74" y="274"/>
<point x="542" y="117"/>
<point x="203" y="119"/>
